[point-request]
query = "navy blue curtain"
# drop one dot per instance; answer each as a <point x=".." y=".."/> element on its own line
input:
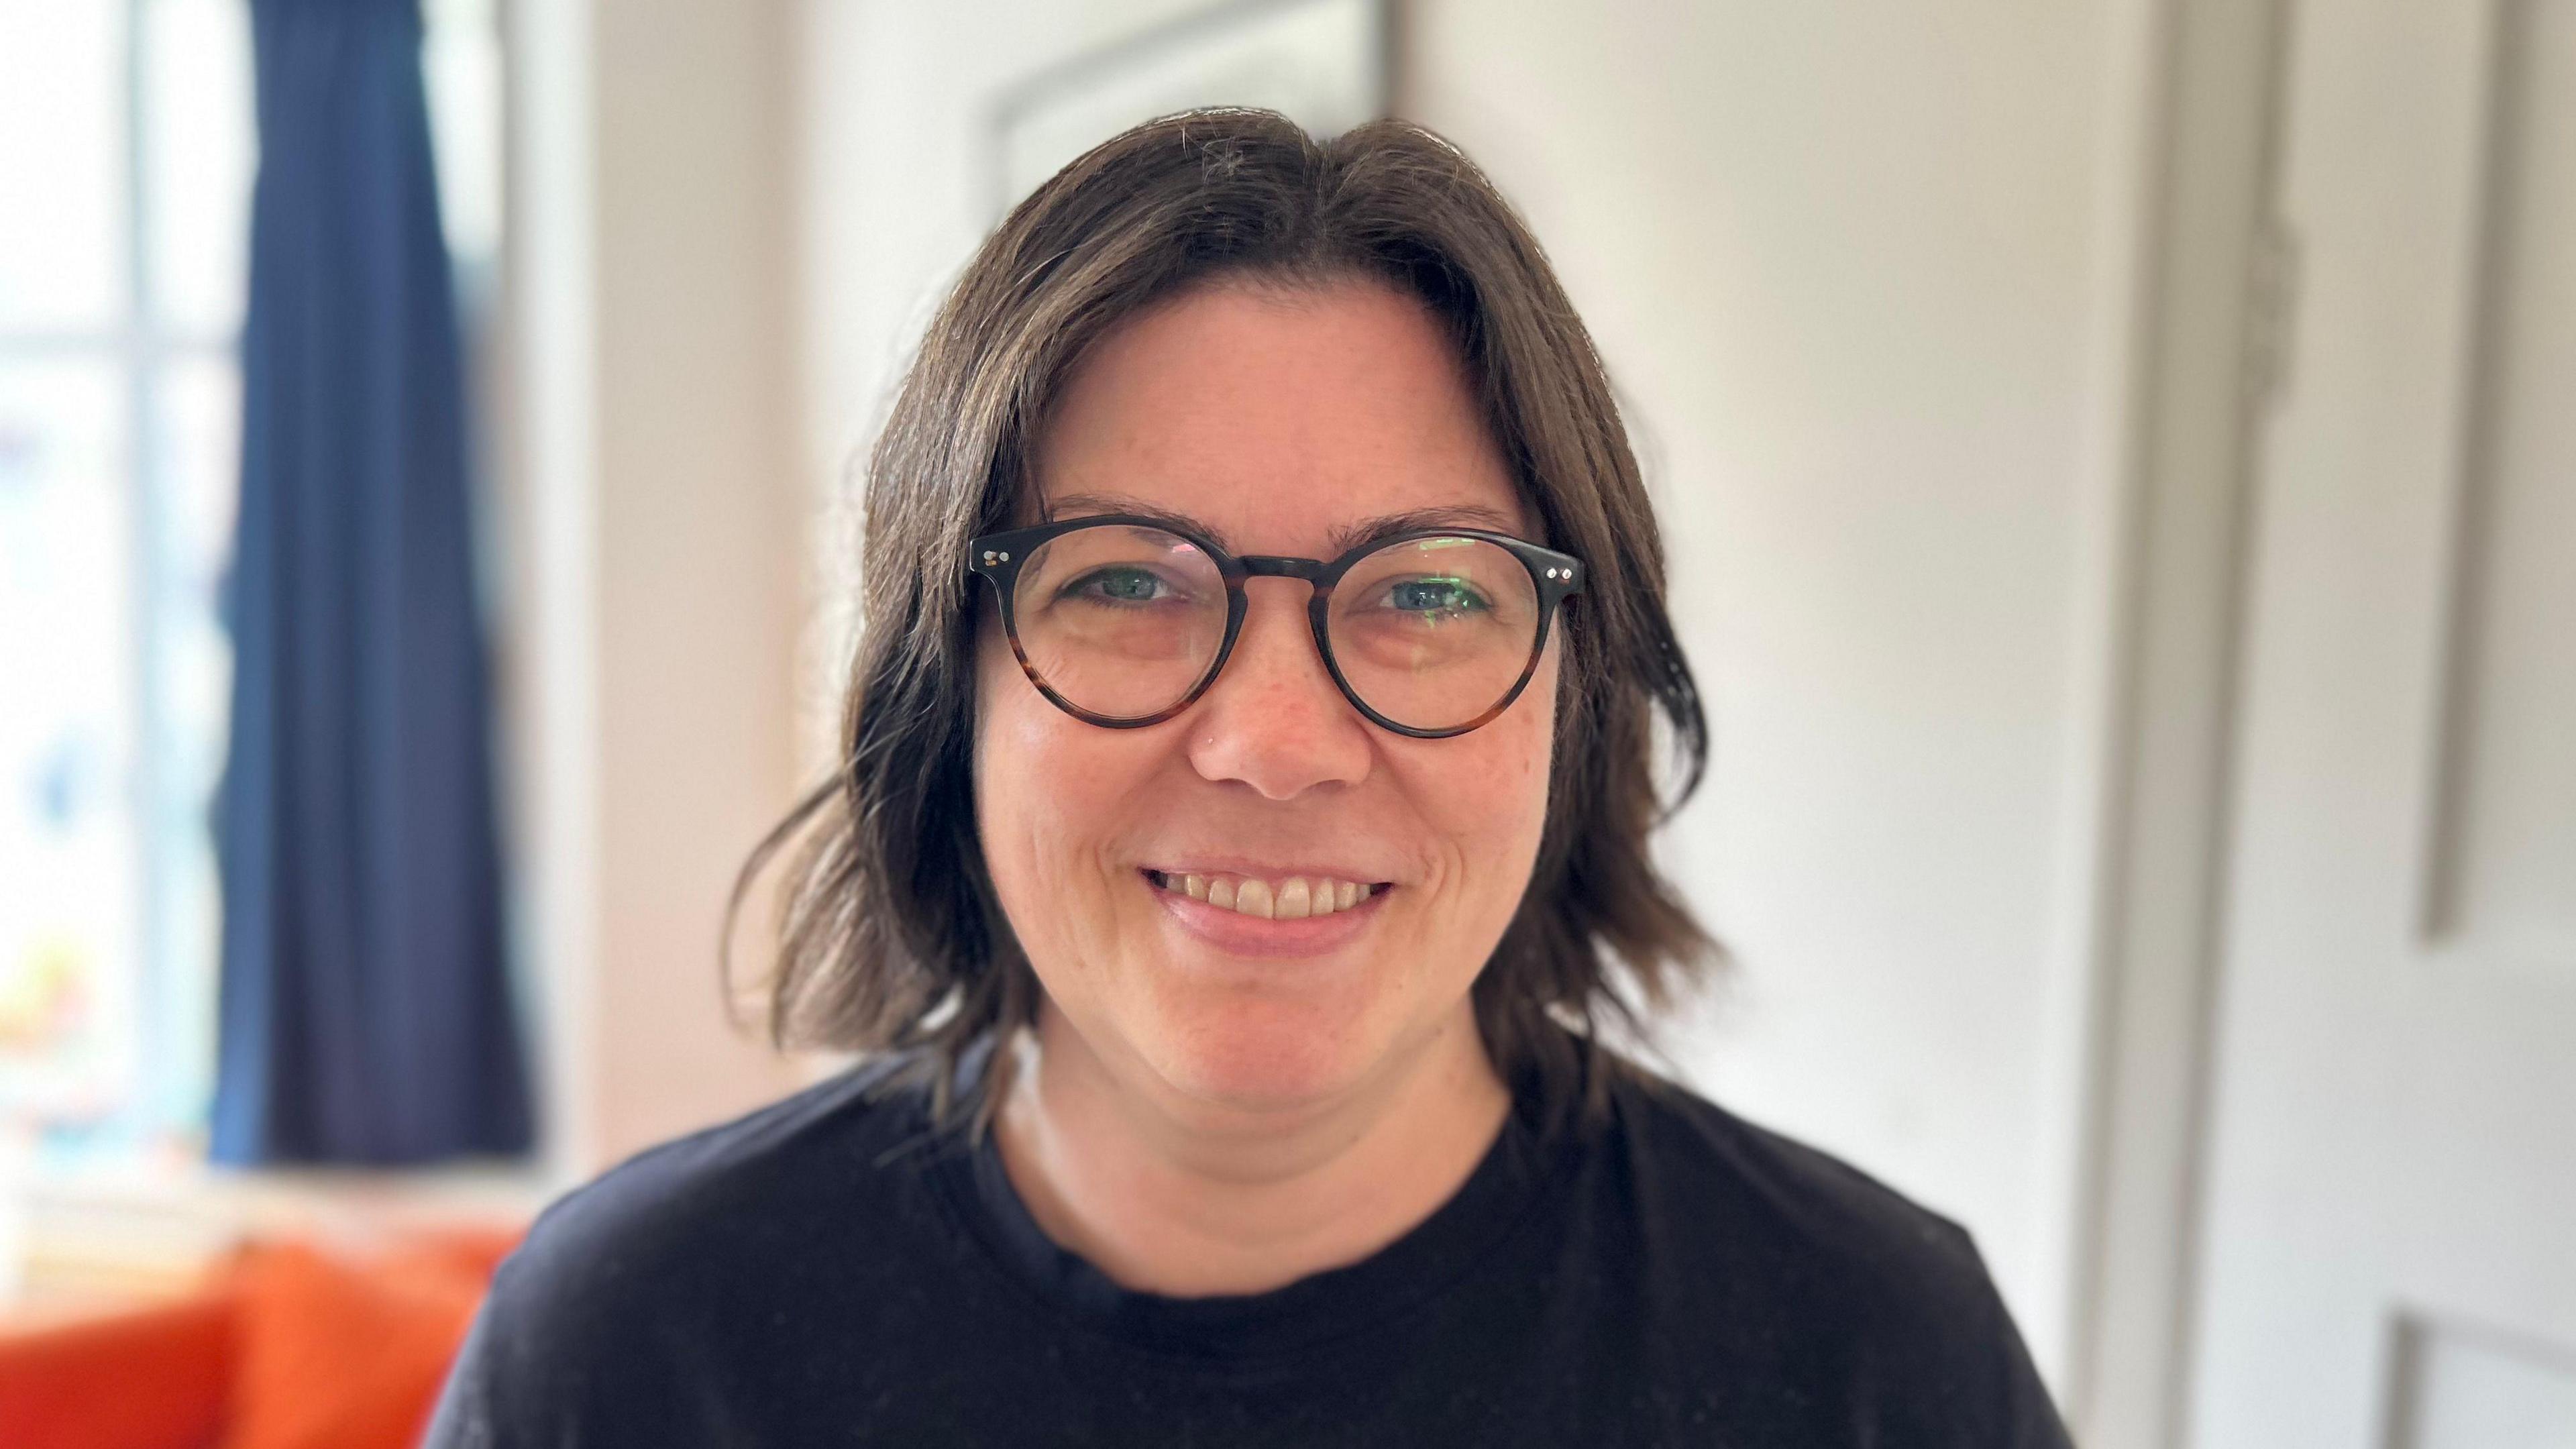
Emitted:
<point x="365" y="1013"/>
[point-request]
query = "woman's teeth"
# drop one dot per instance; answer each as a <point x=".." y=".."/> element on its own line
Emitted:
<point x="1292" y="899"/>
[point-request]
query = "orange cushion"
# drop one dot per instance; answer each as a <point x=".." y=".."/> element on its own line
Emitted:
<point x="476" y="1250"/>
<point x="347" y="1353"/>
<point x="148" y="1378"/>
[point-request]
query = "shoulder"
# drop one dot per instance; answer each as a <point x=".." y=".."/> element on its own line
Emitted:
<point x="1874" y="1299"/>
<point x="833" y="1140"/>
<point x="795" y="1176"/>
<point x="625" y="1286"/>
<point x="1804" y="1202"/>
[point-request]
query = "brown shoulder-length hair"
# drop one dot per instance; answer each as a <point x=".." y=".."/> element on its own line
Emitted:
<point x="890" y="936"/>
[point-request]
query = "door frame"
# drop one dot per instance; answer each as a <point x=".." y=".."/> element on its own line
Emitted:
<point x="2215" y="293"/>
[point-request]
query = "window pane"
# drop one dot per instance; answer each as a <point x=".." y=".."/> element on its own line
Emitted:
<point x="197" y="489"/>
<point x="62" y="165"/>
<point x="461" y="67"/>
<point x="67" y="839"/>
<point x="197" y="98"/>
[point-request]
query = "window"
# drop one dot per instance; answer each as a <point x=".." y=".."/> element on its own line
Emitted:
<point x="121" y="296"/>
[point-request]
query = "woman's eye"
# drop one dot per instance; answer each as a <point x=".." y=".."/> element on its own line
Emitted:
<point x="1434" y="596"/>
<point x="1120" y="586"/>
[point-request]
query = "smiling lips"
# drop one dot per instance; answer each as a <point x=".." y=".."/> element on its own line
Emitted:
<point x="1293" y="898"/>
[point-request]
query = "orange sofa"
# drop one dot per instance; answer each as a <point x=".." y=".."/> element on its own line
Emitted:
<point x="288" y="1345"/>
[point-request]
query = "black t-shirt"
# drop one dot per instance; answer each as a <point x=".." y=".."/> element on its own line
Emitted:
<point x="828" y="1270"/>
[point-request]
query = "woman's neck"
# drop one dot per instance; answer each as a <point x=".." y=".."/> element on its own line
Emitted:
<point x="1191" y="1204"/>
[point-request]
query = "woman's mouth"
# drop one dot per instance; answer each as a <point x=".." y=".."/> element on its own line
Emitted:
<point x="1286" y="898"/>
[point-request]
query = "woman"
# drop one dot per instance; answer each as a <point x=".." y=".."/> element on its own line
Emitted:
<point x="1249" y="772"/>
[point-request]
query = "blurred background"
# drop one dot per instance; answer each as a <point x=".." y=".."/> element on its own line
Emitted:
<point x="2116" y="462"/>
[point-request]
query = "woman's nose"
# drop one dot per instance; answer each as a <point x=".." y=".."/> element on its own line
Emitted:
<point x="1274" y="719"/>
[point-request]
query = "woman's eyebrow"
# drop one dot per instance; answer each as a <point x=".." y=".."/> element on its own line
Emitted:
<point x="1456" y="515"/>
<point x="1345" y="538"/>
<point x="1085" y="505"/>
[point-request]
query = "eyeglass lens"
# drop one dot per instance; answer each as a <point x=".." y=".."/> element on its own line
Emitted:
<point x="1123" y="621"/>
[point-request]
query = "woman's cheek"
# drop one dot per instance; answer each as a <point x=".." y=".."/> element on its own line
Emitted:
<point x="1495" y="787"/>
<point x="1053" y="798"/>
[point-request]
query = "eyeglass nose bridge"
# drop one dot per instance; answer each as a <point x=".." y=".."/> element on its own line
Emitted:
<point x="1273" y="566"/>
<point x="1319" y="576"/>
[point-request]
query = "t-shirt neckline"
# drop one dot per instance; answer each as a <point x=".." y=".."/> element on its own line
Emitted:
<point x="1458" y="1237"/>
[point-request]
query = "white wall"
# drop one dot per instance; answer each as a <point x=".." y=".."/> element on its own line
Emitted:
<point x="1861" y="275"/>
<point x="658" y="525"/>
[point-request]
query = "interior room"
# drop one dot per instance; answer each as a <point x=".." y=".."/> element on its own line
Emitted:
<point x="2116" y="501"/>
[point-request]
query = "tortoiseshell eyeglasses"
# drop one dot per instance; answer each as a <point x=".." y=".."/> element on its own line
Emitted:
<point x="1124" y="621"/>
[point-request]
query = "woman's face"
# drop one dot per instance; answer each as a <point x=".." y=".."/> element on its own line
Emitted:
<point x="1278" y="420"/>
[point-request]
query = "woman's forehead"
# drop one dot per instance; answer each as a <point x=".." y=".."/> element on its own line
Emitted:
<point x="1281" y="419"/>
<point x="1342" y="535"/>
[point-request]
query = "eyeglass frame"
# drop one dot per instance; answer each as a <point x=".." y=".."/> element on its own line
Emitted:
<point x="998" y="557"/>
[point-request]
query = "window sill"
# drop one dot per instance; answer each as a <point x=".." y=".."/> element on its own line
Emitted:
<point x="133" y="1232"/>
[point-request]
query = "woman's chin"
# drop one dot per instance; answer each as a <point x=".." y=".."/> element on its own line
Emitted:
<point x="1260" y="1061"/>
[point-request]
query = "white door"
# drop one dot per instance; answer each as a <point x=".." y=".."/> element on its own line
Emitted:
<point x="2388" y="1239"/>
